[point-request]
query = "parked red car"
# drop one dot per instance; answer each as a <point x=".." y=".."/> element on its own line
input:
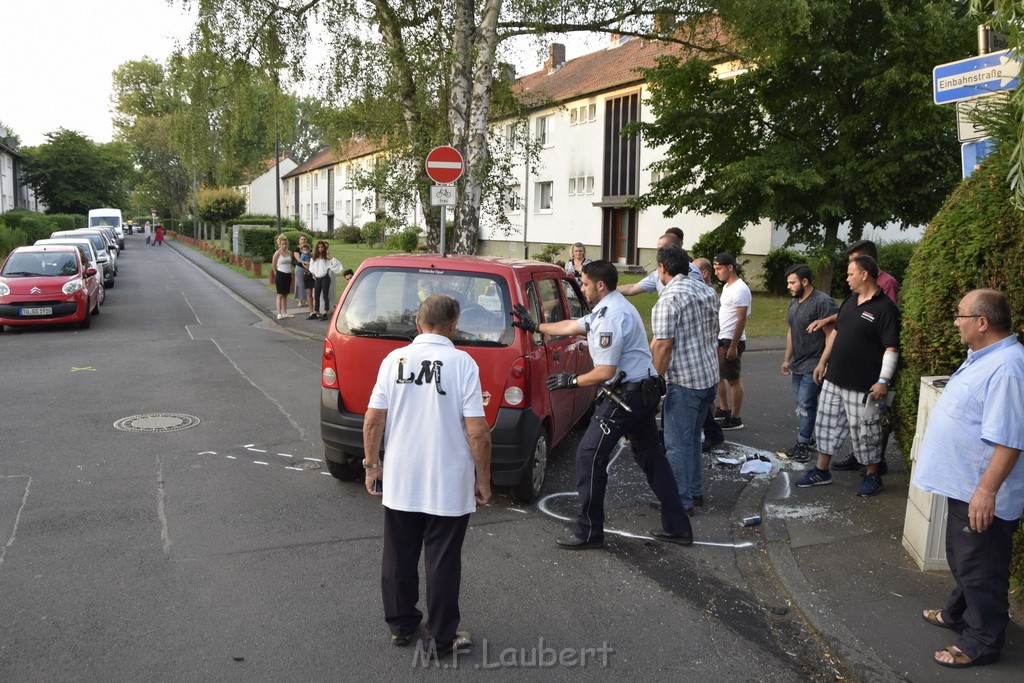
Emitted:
<point x="377" y="314"/>
<point x="47" y="285"/>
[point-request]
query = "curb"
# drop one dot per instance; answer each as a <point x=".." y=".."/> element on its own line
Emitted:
<point x="194" y="257"/>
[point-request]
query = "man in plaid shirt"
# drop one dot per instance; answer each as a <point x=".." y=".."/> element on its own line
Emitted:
<point x="685" y="324"/>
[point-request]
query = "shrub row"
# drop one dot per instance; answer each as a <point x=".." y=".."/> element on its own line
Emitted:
<point x="894" y="258"/>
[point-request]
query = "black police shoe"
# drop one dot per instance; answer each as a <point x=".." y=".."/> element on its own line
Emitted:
<point x="575" y="543"/>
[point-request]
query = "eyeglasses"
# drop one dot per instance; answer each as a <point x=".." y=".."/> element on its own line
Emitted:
<point x="958" y="316"/>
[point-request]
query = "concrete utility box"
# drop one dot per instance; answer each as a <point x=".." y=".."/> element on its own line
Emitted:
<point x="924" y="527"/>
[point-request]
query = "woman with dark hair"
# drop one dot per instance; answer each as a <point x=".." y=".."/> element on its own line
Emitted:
<point x="321" y="267"/>
<point x="281" y="267"/>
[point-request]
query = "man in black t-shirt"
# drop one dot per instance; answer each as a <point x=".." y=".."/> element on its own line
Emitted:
<point x="855" y="371"/>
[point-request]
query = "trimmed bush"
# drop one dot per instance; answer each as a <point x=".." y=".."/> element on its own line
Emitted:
<point x="293" y="239"/>
<point x="350" y="234"/>
<point x="718" y="241"/>
<point x="259" y="243"/>
<point x="973" y="241"/>
<point x="67" y="221"/>
<point x="9" y="239"/>
<point x="372" y="232"/>
<point x="406" y="241"/>
<point x="548" y="253"/>
<point x="776" y="263"/>
<point x="37" y="226"/>
<point x="894" y="258"/>
<point x="267" y="220"/>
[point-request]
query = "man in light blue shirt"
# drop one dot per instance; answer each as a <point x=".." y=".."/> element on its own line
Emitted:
<point x="653" y="283"/>
<point x="971" y="455"/>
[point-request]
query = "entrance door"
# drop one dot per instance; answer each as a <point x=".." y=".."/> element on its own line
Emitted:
<point x="620" y="235"/>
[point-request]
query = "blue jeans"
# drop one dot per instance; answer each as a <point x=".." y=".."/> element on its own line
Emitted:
<point x="805" y="393"/>
<point x="685" y="410"/>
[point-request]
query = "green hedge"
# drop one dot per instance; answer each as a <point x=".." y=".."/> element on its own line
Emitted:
<point x="716" y="242"/>
<point x="293" y="239"/>
<point x="9" y="239"/>
<point x="259" y="244"/>
<point x="269" y="221"/>
<point x="973" y="241"/>
<point x="406" y="241"/>
<point x="776" y="263"/>
<point x="68" y="221"/>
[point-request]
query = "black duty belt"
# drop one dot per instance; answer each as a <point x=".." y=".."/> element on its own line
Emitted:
<point x="627" y="387"/>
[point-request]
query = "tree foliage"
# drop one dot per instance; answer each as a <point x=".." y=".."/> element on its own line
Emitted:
<point x="412" y="75"/>
<point x="220" y="204"/>
<point x="829" y="121"/>
<point x="72" y="174"/>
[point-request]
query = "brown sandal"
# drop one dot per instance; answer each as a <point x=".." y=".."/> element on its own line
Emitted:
<point x="962" y="661"/>
<point x="934" y="617"/>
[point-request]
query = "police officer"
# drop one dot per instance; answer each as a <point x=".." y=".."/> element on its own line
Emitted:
<point x="618" y="344"/>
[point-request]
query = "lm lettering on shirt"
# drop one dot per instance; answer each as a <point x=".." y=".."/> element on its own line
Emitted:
<point x="868" y="316"/>
<point x="430" y="372"/>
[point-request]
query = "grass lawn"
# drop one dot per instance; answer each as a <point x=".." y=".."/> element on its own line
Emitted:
<point x="768" y="318"/>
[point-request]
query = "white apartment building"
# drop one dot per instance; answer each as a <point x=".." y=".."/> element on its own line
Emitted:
<point x="259" y="190"/>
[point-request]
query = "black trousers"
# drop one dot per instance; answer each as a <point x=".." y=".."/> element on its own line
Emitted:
<point x="606" y="427"/>
<point x="979" y="604"/>
<point x="405" y="533"/>
<point x="712" y="430"/>
<point x="322" y="287"/>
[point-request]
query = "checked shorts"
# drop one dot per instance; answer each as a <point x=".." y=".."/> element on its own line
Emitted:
<point x="840" y="413"/>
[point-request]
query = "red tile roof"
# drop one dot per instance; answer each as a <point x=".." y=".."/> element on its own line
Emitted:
<point x="353" y="149"/>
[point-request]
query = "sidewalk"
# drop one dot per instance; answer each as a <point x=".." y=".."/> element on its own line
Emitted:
<point x="839" y="557"/>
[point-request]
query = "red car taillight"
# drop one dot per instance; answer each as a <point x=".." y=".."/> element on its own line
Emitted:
<point x="518" y="380"/>
<point x="328" y="368"/>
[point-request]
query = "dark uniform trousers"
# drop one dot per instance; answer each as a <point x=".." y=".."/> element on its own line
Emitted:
<point x="441" y="538"/>
<point x="978" y="605"/>
<point x="606" y="427"/>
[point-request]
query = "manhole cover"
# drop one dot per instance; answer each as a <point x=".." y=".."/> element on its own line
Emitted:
<point x="156" y="422"/>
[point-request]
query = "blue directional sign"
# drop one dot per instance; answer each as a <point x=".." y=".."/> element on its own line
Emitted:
<point x="975" y="77"/>
<point x="973" y="153"/>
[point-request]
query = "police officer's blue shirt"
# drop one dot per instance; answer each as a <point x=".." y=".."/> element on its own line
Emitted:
<point x="979" y="408"/>
<point x="617" y="337"/>
<point x="652" y="283"/>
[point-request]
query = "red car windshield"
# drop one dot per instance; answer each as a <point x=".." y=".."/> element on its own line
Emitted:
<point x="383" y="303"/>
<point x="40" y="264"/>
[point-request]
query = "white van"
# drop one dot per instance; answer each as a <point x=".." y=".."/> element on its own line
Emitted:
<point x="110" y="218"/>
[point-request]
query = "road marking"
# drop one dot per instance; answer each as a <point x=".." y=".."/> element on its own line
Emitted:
<point x="161" y="513"/>
<point x="256" y="450"/>
<point x="313" y="459"/>
<point x="89" y="369"/>
<point x="297" y="469"/>
<point x="230" y="457"/>
<point x="208" y="453"/>
<point x="17" y="517"/>
<point x="286" y="455"/>
<point x="259" y="462"/>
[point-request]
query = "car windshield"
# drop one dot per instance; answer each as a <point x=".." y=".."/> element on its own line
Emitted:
<point x="40" y="264"/>
<point x="98" y="242"/>
<point x="104" y="221"/>
<point x="383" y="303"/>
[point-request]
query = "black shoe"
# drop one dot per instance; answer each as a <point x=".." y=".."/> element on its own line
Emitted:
<point x="313" y="316"/>
<point x="722" y="414"/>
<point x="711" y="444"/>
<point x="800" y="452"/>
<point x="462" y="641"/>
<point x="847" y="464"/>
<point x="401" y="641"/>
<point x="656" y="505"/>
<point x="574" y="543"/>
<point x="698" y="501"/>
<point x="731" y="422"/>
<point x="679" y="539"/>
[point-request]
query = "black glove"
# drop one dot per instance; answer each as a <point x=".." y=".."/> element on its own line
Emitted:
<point x="563" y="380"/>
<point x="525" y="321"/>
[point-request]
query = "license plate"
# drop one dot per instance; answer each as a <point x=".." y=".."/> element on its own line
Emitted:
<point x="36" y="311"/>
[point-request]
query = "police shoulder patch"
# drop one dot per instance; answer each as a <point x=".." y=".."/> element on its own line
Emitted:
<point x="604" y="340"/>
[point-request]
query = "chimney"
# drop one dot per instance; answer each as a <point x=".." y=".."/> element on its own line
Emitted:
<point x="556" y="57"/>
<point x="507" y="72"/>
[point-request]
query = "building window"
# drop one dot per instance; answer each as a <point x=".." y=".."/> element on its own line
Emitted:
<point x="655" y="177"/>
<point x="545" y="130"/>
<point x="590" y="184"/>
<point x="544" y="195"/>
<point x="512" y="199"/>
<point x="583" y="114"/>
<point x="572" y="186"/>
<point x="316" y="179"/>
<point x="573" y="113"/>
<point x="592" y="112"/>
<point x="510" y="135"/>
<point x="316" y="210"/>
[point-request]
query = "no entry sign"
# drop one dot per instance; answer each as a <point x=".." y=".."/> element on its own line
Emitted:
<point x="444" y="164"/>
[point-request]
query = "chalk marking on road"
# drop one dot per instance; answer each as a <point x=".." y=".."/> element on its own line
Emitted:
<point x="248" y="445"/>
<point x="230" y="457"/>
<point x="88" y="369"/>
<point x="208" y="453"/>
<point x="259" y="462"/>
<point x="286" y="455"/>
<point x="296" y="425"/>
<point x="161" y="513"/>
<point x="542" y="505"/>
<point x="297" y="469"/>
<point x="257" y="450"/>
<point x="327" y="473"/>
<point x="789" y="491"/>
<point x="185" y="297"/>
<point x="313" y="459"/>
<point x="17" y="517"/>
<point x="522" y="512"/>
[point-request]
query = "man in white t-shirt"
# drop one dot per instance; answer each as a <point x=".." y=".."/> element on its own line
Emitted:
<point x="732" y="340"/>
<point x="436" y="471"/>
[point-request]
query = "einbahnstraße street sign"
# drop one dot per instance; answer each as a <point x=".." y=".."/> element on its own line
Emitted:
<point x="975" y="77"/>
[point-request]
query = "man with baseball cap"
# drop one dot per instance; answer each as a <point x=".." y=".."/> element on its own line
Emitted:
<point x="732" y="340"/>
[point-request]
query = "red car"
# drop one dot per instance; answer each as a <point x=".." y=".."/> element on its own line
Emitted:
<point x="377" y="313"/>
<point x="47" y="285"/>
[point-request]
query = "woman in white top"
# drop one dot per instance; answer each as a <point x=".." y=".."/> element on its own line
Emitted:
<point x="281" y="266"/>
<point x="321" y="267"/>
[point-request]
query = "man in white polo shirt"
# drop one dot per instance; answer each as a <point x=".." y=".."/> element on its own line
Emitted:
<point x="436" y="471"/>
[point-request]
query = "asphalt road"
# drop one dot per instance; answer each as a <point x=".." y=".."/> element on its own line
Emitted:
<point x="224" y="551"/>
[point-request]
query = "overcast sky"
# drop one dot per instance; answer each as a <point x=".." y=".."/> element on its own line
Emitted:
<point x="57" y="58"/>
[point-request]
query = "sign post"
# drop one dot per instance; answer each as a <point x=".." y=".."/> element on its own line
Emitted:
<point x="444" y="166"/>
